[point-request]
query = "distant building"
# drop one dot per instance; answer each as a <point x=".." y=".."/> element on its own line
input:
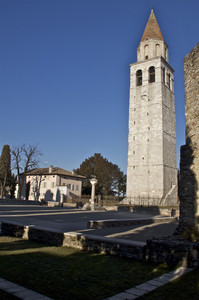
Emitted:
<point x="53" y="184"/>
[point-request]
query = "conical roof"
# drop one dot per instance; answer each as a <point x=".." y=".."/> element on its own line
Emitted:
<point x="152" y="29"/>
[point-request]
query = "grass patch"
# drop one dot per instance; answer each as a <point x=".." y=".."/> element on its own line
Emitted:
<point x="65" y="273"/>
<point x="6" y="296"/>
<point x="183" y="288"/>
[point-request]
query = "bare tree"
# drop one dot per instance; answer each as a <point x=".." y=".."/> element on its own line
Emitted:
<point x="24" y="158"/>
<point x="36" y="185"/>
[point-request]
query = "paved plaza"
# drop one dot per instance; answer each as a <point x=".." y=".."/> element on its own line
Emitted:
<point x="69" y="219"/>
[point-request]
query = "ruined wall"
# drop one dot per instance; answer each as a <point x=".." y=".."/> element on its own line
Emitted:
<point x="189" y="161"/>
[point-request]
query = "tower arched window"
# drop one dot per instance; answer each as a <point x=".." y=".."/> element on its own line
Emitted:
<point x="168" y="80"/>
<point x="139" y="54"/>
<point x="163" y="75"/>
<point x="165" y="53"/>
<point x="139" y="77"/>
<point x="146" y="51"/>
<point x="172" y="84"/>
<point x="157" y="50"/>
<point x="152" y="74"/>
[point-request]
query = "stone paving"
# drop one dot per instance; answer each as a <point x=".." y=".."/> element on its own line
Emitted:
<point x="151" y="285"/>
<point x="76" y="220"/>
<point x="20" y="292"/>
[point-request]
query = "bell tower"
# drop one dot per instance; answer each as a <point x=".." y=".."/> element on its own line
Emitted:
<point x="152" y="172"/>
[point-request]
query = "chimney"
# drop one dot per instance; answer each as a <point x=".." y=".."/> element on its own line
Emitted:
<point x="51" y="169"/>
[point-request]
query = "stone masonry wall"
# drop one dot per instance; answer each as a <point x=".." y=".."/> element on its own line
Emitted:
<point x="189" y="161"/>
<point x="135" y="250"/>
<point x="172" y="252"/>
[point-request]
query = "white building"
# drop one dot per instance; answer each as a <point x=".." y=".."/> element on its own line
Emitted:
<point x="152" y="172"/>
<point x="53" y="184"/>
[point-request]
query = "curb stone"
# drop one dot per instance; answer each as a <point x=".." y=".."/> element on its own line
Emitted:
<point x="151" y="285"/>
<point x="20" y="292"/>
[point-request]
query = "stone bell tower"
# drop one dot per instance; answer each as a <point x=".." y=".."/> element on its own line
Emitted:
<point x="152" y="172"/>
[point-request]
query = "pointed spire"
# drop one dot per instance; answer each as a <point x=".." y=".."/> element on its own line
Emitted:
<point x="152" y="29"/>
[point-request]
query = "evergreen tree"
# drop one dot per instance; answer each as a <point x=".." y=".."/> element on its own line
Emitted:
<point x="110" y="177"/>
<point x="5" y="169"/>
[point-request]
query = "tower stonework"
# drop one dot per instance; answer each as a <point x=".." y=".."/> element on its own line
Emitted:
<point x="152" y="172"/>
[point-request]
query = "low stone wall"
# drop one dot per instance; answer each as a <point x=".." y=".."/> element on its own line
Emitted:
<point x="98" y="224"/>
<point x="173" y="251"/>
<point x="86" y="242"/>
<point x="166" y="250"/>
<point x="98" y="244"/>
<point x="14" y="229"/>
<point x="19" y="202"/>
<point x="153" y="210"/>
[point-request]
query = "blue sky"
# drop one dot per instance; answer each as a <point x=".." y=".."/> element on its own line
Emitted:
<point x="64" y="72"/>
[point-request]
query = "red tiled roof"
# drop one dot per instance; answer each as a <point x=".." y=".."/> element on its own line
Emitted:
<point x="55" y="171"/>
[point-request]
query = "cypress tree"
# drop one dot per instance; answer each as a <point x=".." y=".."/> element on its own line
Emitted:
<point x="5" y="169"/>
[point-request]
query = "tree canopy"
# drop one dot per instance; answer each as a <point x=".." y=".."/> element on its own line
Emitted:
<point x="111" y="180"/>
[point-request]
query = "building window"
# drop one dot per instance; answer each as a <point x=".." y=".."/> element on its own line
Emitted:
<point x="77" y="187"/>
<point x="152" y="74"/>
<point x="168" y="80"/>
<point x="72" y="187"/>
<point x="138" y="54"/>
<point x="157" y="49"/>
<point x="146" y="51"/>
<point x="44" y="184"/>
<point x="163" y="75"/>
<point x="69" y="186"/>
<point x="172" y="84"/>
<point x="52" y="184"/>
<point x="139" y="77"/>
